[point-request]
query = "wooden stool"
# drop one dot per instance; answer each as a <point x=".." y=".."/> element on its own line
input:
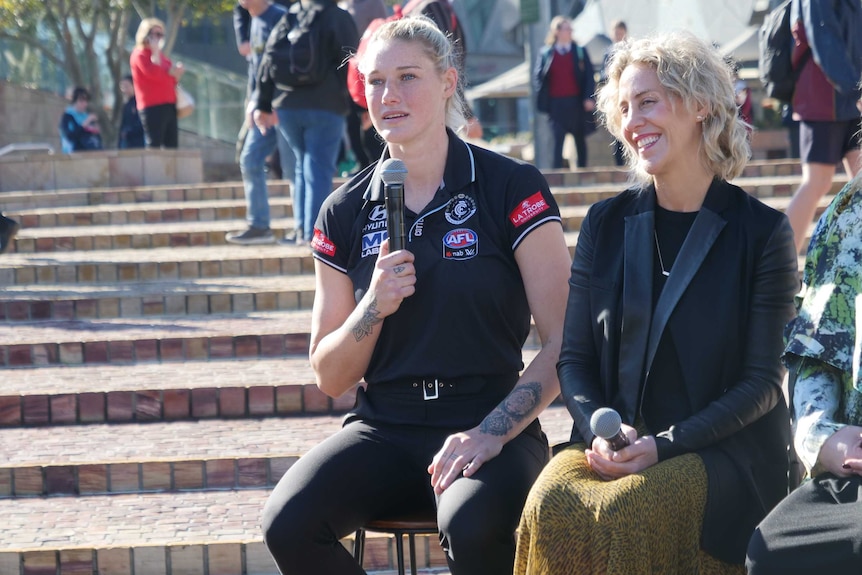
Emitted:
<point x="410" y="525"/>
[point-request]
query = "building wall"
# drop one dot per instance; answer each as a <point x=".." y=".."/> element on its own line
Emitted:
<point x="33" y="116"/>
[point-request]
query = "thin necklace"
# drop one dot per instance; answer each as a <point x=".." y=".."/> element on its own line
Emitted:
<point x="664" y="272"/>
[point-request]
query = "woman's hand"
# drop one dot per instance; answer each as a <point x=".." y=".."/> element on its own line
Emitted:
<point x="841" y="454"/>
<point x="393" y="279"/>
<point x="462" y="453"/>
<point x="637" y="456"/>
<point x="177" y="71"/>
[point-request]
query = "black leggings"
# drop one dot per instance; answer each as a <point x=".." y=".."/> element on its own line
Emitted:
<point x="368" y="470"/>
<point x="815" y="529"/>
<point x="160" y="126"/>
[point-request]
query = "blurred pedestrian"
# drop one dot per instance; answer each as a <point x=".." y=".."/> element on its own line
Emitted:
<point x="826" y="100"/>
<point x="257" y="145"/>
<point x="79" y="128"/>
<point x="565" y="86"/>
<point x="131" y="129"/>
<point x="155" y="78"/>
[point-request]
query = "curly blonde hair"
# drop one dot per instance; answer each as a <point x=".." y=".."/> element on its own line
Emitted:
<point x="144" y="29"/>
<point x="437" y="47"/>
<point x="694" y="72"/>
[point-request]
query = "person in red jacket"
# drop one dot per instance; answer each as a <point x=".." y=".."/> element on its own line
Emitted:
<point x="155" y="78"/>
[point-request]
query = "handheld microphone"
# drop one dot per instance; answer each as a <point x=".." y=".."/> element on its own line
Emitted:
<point x="394" y="172"/>
<point x="606" y="423"/>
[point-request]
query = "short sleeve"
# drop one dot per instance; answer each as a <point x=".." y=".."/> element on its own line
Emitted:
<point x="530" y="203"/>
<point x="331" y="242"/>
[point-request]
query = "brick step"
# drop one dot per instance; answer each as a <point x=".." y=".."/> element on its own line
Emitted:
<point x="173" y="456"/>
<point x="82" y="394"/>
<point x="211" y="233"/>
<point x="764" y="188"/>
<point x="573" y="215"/>
<point x="189" y="533"/>
<point x="13" y="201"/>
<point x="134" y="236"/>
<point x="156" y="212"/>
<point x="214" y="210"/>
<point x="611" y="174"/>
<point x="126" y="341"/>
<point x="156" y="298"/>
<point x="155" y="339"/>
<point x="119" y="266"/>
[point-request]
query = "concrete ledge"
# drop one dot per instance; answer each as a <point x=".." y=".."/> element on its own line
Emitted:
<point x="108" y="168"/>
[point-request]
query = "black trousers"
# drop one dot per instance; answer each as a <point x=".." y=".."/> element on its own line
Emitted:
<point x="160" y="126"/>
<point x="817" y="530"/>
<point x="369" y="470"/>
<point x="567" y="116"/>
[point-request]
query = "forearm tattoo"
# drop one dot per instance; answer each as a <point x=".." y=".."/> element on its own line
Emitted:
<point x="364" y="327"/>
<point x="515" y="408"/>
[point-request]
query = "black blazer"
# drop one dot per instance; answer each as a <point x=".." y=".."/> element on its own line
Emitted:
<point x="584" y="73"/>
<point x="725" y="306"/>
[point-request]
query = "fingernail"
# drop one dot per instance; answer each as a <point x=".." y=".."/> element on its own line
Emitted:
<point x="846" y="466"/>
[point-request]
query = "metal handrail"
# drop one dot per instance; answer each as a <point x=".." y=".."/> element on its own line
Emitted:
<point x="26" y="147"/>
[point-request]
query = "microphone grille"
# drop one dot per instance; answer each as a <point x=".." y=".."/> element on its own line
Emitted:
<point x="605" y="422"/>
<point x="393" y="171"/>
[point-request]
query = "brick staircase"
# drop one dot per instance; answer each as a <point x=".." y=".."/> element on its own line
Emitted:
<point x="155" y="382"/>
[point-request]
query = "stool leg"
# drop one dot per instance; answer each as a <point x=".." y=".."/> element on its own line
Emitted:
<point x="359" y="546"/>
<point x="411" y="538"/>
<point x="399" y="552"/>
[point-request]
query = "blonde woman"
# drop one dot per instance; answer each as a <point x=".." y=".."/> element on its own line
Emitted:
<point x="679" y="292"/>
<point x="155" y="79"/>
<point x="445" y="421"/>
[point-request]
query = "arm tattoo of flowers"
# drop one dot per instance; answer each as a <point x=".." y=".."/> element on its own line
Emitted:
<point x="364" y="327"/>
<point x="512" y="410"/>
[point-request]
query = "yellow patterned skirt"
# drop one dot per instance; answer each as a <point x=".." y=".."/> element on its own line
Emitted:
<point x="575" y="523"/>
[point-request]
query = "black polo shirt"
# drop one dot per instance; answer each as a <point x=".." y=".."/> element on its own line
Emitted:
<point x="469" y="315"/>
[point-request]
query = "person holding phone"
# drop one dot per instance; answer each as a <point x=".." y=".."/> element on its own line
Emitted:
<point x="155" y="79"/>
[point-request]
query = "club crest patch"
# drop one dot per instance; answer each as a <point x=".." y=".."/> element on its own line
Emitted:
<point x="460" y="244"/>
<point x="460" y="208"/>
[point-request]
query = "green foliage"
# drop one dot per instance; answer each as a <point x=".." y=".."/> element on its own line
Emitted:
<point x="88" y="39"/>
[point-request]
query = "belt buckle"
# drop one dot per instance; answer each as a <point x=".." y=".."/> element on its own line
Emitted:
<point x="426" y="385"/>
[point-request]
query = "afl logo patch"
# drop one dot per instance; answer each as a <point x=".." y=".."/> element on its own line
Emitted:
<point x="460" y="244"/>
<point x="460" y="208"/>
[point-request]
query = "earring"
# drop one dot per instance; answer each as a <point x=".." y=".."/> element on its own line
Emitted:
<point x="700" y="118"/>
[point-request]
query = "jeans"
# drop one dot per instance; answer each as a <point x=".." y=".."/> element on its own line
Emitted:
<point x="252" y="163"/>
<point x="314" y="136"/>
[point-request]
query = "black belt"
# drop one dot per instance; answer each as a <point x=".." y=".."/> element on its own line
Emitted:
<point x="438" y="401"/>
<point x="432" y="388"/>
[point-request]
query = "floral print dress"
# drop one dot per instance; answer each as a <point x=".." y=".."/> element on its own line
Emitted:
<point x="824" y="347"/>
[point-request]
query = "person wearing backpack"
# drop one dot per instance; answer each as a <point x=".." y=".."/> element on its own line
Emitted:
<point x="256" y="146"/>
<point x="565" y="85"/>
<point x="305" y="60"/>
<point x="826" y="100"/>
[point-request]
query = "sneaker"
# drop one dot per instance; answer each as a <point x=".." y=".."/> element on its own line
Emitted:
<point x="293" y="238"/>
<point x="250" y="237"/>
<point x="8" y="229"/>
